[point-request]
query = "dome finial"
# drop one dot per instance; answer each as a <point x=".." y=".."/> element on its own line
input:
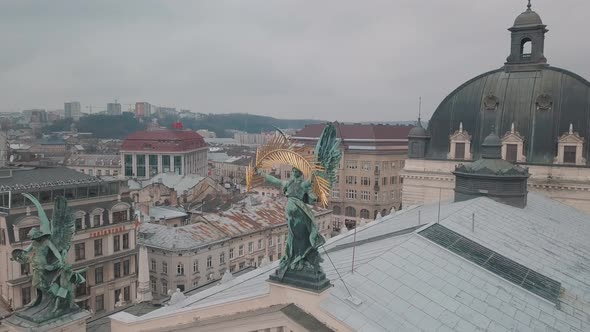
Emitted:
<point x="419" y="111"/>
<point x="529" y="5"/>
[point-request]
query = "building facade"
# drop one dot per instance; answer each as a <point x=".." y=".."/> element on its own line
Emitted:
<point x="104" y="241"/>
<point x="194" y="255"/>
<point x="540" y="113"/>
<point x="72" y="110"/>
<point x="143" y="109"/>
<point x="368" y="180"/>
<point x="95" y="164"/>
<point x="149" y="152"/>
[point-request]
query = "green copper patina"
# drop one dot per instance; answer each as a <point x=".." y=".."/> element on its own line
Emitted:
<point x="51" y="276"/>
<point x="300" y="264"/>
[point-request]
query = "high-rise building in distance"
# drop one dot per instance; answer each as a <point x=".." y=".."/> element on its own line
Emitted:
<point x="72" y="110"/>
<point x="114" y="109"/>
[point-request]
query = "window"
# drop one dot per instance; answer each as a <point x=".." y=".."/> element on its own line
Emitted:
<point x="365" y="195"/>
<point x="366" y="166"/>
<point x="511" y="152"/>
<point x="376" y="196"/>
<point x="336" y="210"/>
<point x="25" y="269"/>
<point x="153" y="265"/>
<point x="180" y="287"/>
<point x="351" y="179"/>
<point x="336" y="193"/>
<point x="195" y="266"/>
<point x="222" y="258"/>
<point x="177" y="164"/>
<point x="25" y="295"/>
<point x="166" y="164"/>
<point x="153" y="285"/>
<point x="23" y="233"/>
<point x="351" y="164"/>
<point x="526" y="47"/>
<point x="96" y="220"/>
<point x="128" y="165"/>
<point x="365" y="181"/>
<point x="242" y="264"/>
<point x="180" y="269"/>
<point x="164" y="287"/>
<point x="350" y="194"/>
<point x="393" y="180"/>
<point x="241" y="250"/>
<point x="98" y="247"/>
<point x="153" y="164"/>
<point x="117" y="269"/>
<point x="126" y="267"/>
<point x="164" y="267"/>
<point x="279" y="239"/>
<point x="81" y="289"/>
<point x="108" y="172"/>
<point x="99" y="303"/>
<point x="126" y="294"/>
<point x="2" y="237"/>
<point x="231" y="253"/>
<point x="119" y="216"/>
<point x="384" y="181"/>
<point x="337" y="179"/>
<point x="116" y="243"/>
<point x="209" y="262"/>
<point x="270" y="241"/>
<point x="80" y="249"/>
<point x="98" y="276"/>
<point x="126" y="241"/>
<point x="350" y="211"/>
<point x="365" y="214"/>
<point x="569" y="154"/>
<point x="260" y="242"/>
<point x="250" y="247"/>
<point x="78" y="223"/>
<point x="140" y="161"/>
<point x="459" y="150"/>
<point x="99" y="172"/>
<point x="90" y="171"/>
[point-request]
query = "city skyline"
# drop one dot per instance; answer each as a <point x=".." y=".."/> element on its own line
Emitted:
<point x="331" y="61"/>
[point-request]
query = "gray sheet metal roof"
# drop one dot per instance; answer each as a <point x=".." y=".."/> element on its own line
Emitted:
<point x="517" y="93"/>
<point x="42" y="177"/>
<point x="409" y="283"/>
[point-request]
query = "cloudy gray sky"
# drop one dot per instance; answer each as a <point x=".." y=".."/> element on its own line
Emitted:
<point x="342" y="60"/>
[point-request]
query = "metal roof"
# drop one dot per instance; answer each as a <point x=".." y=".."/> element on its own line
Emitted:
<point x="163" y="140"/>
<point x="409" y="283"/>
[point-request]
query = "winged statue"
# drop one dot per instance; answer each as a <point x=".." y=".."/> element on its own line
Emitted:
<point x="52" y="277"/>
<point x="311" y="180"/>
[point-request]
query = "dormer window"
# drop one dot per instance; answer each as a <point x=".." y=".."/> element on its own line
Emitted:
<point x="513" y="146"/>
<point x="460" y="144"/>
<point x="569" y="148"/>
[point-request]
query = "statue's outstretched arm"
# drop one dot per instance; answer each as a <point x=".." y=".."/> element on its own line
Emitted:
<point x="20" y="255"/>
<point x="271" y="179"/>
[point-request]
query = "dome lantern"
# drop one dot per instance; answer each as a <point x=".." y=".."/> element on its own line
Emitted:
<point x="527" y="41"/>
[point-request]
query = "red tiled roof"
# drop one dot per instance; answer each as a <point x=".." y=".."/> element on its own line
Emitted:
<point x="358" y="131"/>
<point x="163" y="140"/>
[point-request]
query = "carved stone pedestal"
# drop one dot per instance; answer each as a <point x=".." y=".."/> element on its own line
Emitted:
<point x="315" y="282"/>
<point x="74" y="322"/>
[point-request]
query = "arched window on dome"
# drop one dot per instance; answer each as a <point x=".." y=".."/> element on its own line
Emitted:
<point x="526" y="48"/>
<point x="460" y="145"/>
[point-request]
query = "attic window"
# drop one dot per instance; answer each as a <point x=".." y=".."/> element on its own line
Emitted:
<point x="492" y="261"/>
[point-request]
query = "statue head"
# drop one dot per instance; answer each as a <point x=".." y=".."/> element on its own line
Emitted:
<point x="296" y="173"/>
<point x="36" y="234"/>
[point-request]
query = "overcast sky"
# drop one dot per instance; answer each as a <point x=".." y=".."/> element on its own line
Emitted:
<point x="343" y="60"/>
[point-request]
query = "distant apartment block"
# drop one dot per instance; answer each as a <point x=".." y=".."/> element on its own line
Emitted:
<point x="114" y="109"/>
<point x="143" y="109"/>
<point x="72" y="110"/>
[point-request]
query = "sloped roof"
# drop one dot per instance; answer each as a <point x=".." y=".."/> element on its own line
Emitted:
<point x="407" y="282"/>
<point x="358" y="131"/>
<point x="163" y="140"/>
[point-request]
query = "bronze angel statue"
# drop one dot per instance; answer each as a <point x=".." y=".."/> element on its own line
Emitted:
<point x="310" y="183"/>
<point x="51" y="276"/>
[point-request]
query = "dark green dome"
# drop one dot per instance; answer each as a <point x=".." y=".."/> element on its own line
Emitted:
<point x="541" y="103"/>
